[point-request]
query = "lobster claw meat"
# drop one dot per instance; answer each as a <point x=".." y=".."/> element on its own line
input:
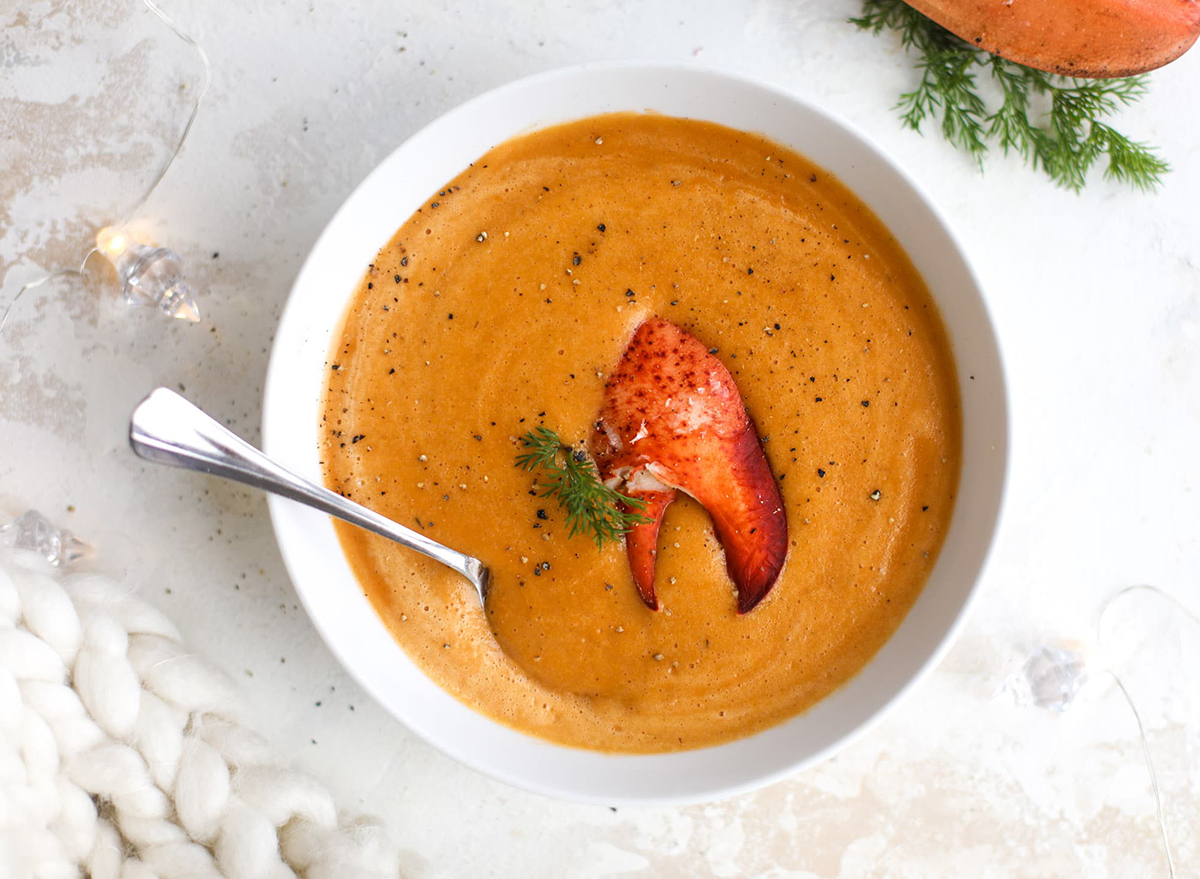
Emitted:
<point x="673" y="420"/>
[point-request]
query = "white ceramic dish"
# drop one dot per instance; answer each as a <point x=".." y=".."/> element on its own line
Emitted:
<point x="367" y="221"/>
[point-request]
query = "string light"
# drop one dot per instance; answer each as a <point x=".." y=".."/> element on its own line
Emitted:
<point x="149" y="275"/>
<point x="34" y="532"/>
<point x="1052" y="677"/>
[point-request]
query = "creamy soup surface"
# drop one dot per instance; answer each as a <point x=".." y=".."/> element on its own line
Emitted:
<point x="501" y="305"/>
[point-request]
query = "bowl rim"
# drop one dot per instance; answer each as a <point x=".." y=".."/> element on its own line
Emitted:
<point x="753" y="781"/>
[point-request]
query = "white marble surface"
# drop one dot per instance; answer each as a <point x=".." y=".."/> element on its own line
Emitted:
<point x="1096" y="301"/>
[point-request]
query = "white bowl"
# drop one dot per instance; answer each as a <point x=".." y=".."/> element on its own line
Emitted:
<point x="367" y="221"/>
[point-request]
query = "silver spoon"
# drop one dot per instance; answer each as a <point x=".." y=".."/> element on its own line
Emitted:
<point x="167" y="429"/>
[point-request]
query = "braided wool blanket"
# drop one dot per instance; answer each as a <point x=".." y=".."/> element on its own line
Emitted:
<point x="122" y="755"/>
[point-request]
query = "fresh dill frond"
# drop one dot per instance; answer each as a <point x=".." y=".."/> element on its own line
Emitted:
<point x="1065" y="141"/>
<point x="544" y="446"/>
<point x="570" y="477"/>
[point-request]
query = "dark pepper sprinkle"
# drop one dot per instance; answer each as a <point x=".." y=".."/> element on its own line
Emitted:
<point x="876" y="495"/>
<point x="749" y="271"/>
<point x="713" y="350"/>
<point x="819" y="399"/>
<point x="601" y="227"/>
<point x="924" y="509"/>
<point x="336" y="366"/>
<point x="820" y="472"/>
<point x="866" y="403"/>
<point x="404" y="261"/>
<point x="577" y="260"/>
<point x="541" y="514"/>
<point x="396" y="278"/>
<point x="629" y="293"/>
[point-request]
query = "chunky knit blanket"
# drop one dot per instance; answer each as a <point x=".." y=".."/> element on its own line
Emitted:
<point x="122" y="755"/>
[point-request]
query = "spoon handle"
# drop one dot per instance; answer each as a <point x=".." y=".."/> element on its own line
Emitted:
<point x="167" y="429"/>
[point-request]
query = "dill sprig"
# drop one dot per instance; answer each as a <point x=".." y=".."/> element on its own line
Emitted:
<point x="571" y="478"/>
<point x="1070" y="138"/>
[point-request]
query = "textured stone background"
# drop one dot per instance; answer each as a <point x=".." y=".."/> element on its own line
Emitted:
<point x="1096" y="301"/>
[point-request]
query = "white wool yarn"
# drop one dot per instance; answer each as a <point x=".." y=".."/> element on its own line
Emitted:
<point x="122" y="755"/>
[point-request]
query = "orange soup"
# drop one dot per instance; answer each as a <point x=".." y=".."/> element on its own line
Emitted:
<point x="504" y="302"/>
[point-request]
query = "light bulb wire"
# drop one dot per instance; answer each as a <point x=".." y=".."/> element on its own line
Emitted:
<point x="1154" y="787"/>
<point x="187" y="129"/>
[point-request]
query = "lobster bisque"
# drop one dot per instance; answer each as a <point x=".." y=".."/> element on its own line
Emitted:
<point x="501" y="305"/>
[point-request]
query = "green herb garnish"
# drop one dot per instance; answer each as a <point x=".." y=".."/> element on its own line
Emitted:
<point x="571" y="478"/>
<point x="1070" y="138"/>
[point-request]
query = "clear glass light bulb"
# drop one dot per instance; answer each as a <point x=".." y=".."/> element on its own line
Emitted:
<point x="150" y="276"/>
<point x="1051" y="678"/>
<point x="34" y="532"/>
